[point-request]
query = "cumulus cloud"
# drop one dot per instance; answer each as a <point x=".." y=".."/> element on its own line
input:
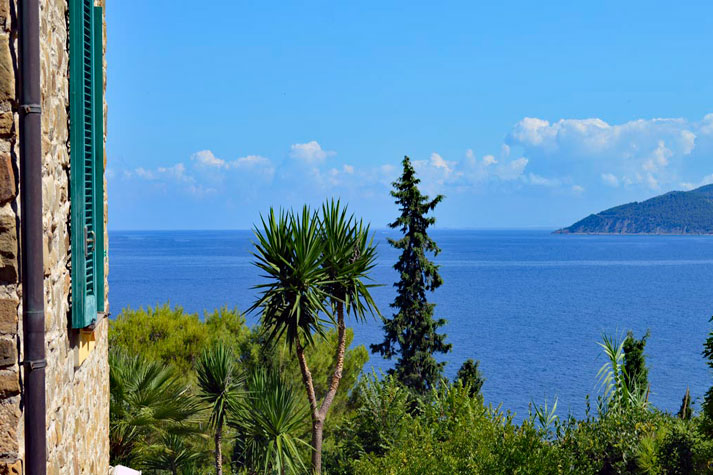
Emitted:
<point x="647" y="152"/>
<point x="569" y="156"/>
<point x="610" y="179"/>
<point x="206" y="157"/>
<point x="176" y="172"/>
<point x="310" y="153"/>
<point x="543" y="181"/>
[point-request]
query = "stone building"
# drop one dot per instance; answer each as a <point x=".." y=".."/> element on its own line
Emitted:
<point x="54" y="375"/>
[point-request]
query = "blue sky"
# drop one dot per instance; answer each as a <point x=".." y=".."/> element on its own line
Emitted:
<point x="522" y="113"/>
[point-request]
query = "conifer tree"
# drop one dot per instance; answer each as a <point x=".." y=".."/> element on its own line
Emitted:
<point x="636" y="374"/>
<point x="686" y="412"/>
<point x="708" y="399"/>
<point x="469" y="375"/>
<point x="412" y="333"/>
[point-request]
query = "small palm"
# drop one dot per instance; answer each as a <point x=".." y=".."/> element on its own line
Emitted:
<point x="218" y="383"/>
<point x="147" y="402"/>
<point x="270" y="422"/>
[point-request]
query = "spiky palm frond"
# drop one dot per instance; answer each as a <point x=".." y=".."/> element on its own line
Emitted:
<point x="171" y="453"/>
<point x="545" y="416"/>
<point x="219" y="380"/>
<point x="610" y="375"/>
<point x="270" y="423"/>
<point x="349" y="257"/>
<point x="147" y="401"/>
<point x="290" y="253"/>
<point x="619" y="394"/>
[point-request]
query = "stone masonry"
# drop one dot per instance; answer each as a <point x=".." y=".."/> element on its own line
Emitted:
<point x="77" y="396"/>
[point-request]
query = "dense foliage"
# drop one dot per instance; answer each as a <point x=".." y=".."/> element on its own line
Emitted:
<point x="380" y="426"/>
<point x="412" y="332"/>
<point x="676" y="212"/>
<point x="153" y="398"/>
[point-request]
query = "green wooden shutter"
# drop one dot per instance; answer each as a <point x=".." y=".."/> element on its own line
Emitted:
<point x="86" y="147"/>
<point x="100" y="251"/>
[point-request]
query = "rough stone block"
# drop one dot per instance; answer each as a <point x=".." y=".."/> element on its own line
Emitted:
<point x="7" y="70"/>
<point x="9" y="384"/>
<point x="7" y="119"/>
<point x="8" y="352"/>
<point x="8" y="249"/>
<point x="8" y="316"/>
<point x="4" y="17"/>
<point x="11" y="468"/>
<point x="8" y="188"/>
<point x="9" y="420"/>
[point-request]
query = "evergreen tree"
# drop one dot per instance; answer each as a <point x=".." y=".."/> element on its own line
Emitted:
<point x="686" y="412"/>
<point x="412" y="332"/>
<point x="708" y="399"/>
<point x="636" y="374"/>
<point x="469" y="375"/>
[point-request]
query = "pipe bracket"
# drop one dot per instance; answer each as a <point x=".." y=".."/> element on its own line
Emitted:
<point x="31" y="109"/>
<point x="35" y="364"/>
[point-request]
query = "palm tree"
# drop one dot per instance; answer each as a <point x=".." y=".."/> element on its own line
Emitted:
<point x="313" y="267"/>
<point x="349" y="256"/>
<point x="172" y="454"/>
<point x="148" y="401"/>
<point x="270" y="422"/>
<point x="218" y="383"/>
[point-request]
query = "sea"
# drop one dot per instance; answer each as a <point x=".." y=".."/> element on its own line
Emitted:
<point x="531" y="306"/>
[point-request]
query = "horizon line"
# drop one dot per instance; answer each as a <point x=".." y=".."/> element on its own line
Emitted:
<point x="444" y="228"/>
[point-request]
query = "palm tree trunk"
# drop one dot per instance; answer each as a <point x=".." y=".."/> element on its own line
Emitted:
<point x="338" y="363"/>
<point x="317" y="420"/>
<point x="317" y="427"/>
<point x="219" y="449"/>
<point x="321" y="415"/>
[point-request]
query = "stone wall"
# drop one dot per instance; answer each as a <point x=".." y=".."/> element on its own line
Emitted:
<point x="77" y="394"/>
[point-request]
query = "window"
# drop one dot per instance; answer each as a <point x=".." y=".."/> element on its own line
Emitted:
<point x="86" y="117"/>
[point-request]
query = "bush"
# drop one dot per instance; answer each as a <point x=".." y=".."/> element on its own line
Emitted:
<point x="175" y="337"/>
<point x="455" y="433"/>
<point x="685" y="450"/>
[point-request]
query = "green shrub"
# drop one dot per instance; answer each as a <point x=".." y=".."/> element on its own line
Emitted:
<point x="457" y="434"/>
<point x="175" y="337"/>
<point x="685" y="449"/>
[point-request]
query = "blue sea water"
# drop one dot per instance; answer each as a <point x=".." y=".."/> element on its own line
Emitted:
<point x="531" y="306"/>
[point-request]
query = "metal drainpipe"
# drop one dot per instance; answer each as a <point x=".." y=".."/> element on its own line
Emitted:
<point x="31" y="239"/>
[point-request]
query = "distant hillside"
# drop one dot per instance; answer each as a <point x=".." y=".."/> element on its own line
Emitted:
<point x="677" y="212"/>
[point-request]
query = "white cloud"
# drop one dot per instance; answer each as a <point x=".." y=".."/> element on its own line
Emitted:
<point x="610" y="179"/>
<point x="567" y="157"/>
<point x="592" y="138"/>
<point x="177" y="172"/>
<point x="206" y="157"/>
<point x="577" y="189"/>
<point x="489" y="160"/>
<point x="310" y="153"/>
<point x="646" y="152"/>
<point x="543" y="181"/>
<point x="707" y="180"/>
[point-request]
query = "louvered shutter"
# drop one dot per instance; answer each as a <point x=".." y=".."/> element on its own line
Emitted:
<point x="86" y="147"/>
<point x="100" y="250"/>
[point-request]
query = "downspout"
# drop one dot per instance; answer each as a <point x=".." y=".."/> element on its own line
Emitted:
<point x="31" y="239"/>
